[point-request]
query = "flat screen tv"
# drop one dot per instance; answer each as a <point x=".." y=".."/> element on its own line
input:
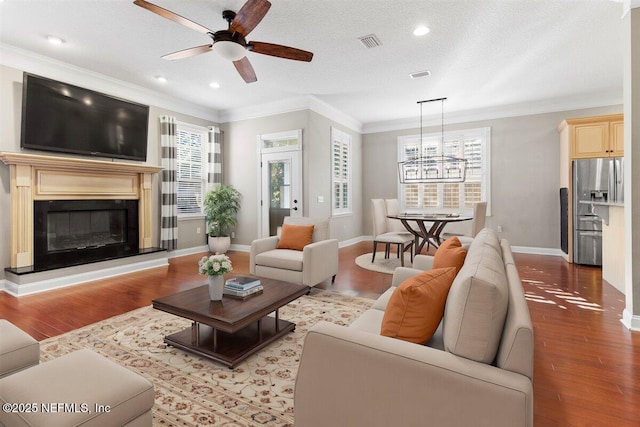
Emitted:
<point x="60" y="117"/>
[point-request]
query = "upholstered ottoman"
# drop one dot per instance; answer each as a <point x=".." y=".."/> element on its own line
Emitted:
<point x="78" y="389"/>
<point x="17" y="349"/>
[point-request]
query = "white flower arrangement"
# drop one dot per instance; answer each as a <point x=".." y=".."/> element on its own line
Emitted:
<point x="215" y="265"/>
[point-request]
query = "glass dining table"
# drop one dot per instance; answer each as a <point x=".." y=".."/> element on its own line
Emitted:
<point x="429" y="227"/>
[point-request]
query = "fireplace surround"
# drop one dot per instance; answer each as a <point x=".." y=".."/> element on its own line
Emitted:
<point x="57" y="180"/>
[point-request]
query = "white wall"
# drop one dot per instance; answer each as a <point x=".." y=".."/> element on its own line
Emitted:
<point x="525" y="170"/>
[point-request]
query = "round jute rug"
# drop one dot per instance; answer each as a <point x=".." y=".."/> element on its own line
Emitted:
<point x="382" y="265"/>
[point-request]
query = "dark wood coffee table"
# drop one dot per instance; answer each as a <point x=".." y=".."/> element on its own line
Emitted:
<point x="230" y="330"/>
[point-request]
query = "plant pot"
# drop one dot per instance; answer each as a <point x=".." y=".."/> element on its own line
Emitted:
<point x="219" y="245"/>
<point x="216" y="287"/>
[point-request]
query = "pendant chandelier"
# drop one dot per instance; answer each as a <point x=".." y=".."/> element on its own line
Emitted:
<point x="432" y="169"/>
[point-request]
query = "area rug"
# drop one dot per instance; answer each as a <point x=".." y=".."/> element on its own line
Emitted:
<point x="192" y="391"/>
<point x="382" y="265"/>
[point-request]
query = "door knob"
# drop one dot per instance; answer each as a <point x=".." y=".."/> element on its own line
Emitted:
<point x="295" y="201"/>
<point x="295" y="208"/>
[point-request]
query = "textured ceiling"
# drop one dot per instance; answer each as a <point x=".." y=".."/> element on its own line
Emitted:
<point x="483" y="54"/>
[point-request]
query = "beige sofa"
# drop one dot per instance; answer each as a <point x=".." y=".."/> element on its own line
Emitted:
<point x="317" y="262"/>
<point x="476" y="370"/>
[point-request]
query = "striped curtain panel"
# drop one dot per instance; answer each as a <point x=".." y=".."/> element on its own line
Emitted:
<point x="169" y="196"/>
<point x="214" y="159"/>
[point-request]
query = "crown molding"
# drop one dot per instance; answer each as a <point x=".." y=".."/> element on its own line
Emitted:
<point x="289" y="105"/>
<point x="499" y="112"/>
<point x="627" y="5"/>
<point x="24" y="60"/>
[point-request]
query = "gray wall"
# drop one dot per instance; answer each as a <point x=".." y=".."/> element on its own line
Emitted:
<point x="10" y="119"/>
<point x="241" y="169"/>
<point x="525" y="170"/>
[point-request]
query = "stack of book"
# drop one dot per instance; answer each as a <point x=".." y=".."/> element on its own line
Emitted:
<point x="242" y="287"/>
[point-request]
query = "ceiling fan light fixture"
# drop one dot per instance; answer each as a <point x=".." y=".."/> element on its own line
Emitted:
<point x="229" y="50"/>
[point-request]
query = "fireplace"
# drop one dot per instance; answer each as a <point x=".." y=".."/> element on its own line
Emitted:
<point x="73" y="232"/>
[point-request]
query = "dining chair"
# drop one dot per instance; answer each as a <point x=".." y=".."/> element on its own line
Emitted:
<point x="477" y="223"/>
<point x="393" y="208"/>
<point x="382" y="233"/>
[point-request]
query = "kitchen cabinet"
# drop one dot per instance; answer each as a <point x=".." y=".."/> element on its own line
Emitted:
<point x="617" y="139"/>
<point x="599" y="136"/>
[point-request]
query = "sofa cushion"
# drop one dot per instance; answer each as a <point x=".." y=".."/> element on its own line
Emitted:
<point x="295" y="237"/>
<point x="369" y="321"/>
<point x="18" y="350"/>
<point x="286" y="259"/>
<point x="477" y="303"/>
<point x="416" y="307"/>
<point x="450" y="254"/>
<point x="516" y="345"/>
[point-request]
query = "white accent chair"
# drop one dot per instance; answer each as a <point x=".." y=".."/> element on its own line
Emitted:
<point x="317" y="262"/>
<point x="477" y="224"/>
<point x="383" y="232"/>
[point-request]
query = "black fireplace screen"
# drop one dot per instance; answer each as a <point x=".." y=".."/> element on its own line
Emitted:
<point x="72" y="232"/>
<point x="83" y="229"/>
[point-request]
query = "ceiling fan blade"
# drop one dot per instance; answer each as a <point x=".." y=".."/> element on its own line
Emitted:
<point x="172" y="16"/>
<point x="246" y="70"/>
<point x="249" y="16"/>
<point x="186" y="53"/>
<point x="280" y="51"/>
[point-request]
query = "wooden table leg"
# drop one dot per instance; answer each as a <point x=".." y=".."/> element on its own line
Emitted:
<point x="195" y="333"/>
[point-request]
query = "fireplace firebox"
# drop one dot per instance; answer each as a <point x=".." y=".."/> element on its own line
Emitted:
<point x="74" y="232"/>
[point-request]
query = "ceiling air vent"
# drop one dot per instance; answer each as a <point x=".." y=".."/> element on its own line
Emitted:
<point x="370" y="41"/>
<point x="419" y="74"/>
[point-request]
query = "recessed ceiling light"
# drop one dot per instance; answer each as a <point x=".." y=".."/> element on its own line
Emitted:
<point x="161" y="79"/>
<point x="421" y="31"/>
<point x="214" y="85"/>
<point x="55" y="40"/>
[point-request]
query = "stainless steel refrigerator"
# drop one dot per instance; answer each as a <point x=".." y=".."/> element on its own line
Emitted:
<point x="594" y="180"/>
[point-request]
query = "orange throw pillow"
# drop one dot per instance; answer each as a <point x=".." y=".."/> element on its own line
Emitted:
<point x="295" y="237"/>
<point x="416" y="307"/>
<point x="450" y="254"/>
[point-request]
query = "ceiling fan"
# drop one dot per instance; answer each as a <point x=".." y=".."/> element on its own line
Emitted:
<point x="231" y="43"/>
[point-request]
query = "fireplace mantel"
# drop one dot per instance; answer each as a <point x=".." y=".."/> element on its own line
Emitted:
<point x="38" y="177"/>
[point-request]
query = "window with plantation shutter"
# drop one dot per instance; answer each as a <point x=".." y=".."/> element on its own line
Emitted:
<point x="340" y="172"/>
<point x="190" y="143"/>
<point x="471" y="144"/>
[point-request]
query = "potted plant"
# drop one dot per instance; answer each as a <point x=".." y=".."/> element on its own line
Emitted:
<point x="221" y="206"/>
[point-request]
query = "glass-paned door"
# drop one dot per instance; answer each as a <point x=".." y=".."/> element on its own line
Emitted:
<point x="280" y="181"/>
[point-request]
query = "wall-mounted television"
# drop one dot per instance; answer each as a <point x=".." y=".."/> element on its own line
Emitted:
<point x="61" y="117"/>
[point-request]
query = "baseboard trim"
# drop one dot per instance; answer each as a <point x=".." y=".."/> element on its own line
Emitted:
<point x="188" y="251"/>
<point x="536" y="251"/>
<point x="240" y="248"/>
<point x="353" y="241"/>
<point x="630" y="321"/>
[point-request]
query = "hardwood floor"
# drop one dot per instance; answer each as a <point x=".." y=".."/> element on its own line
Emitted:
<point x="587" y="364"/>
